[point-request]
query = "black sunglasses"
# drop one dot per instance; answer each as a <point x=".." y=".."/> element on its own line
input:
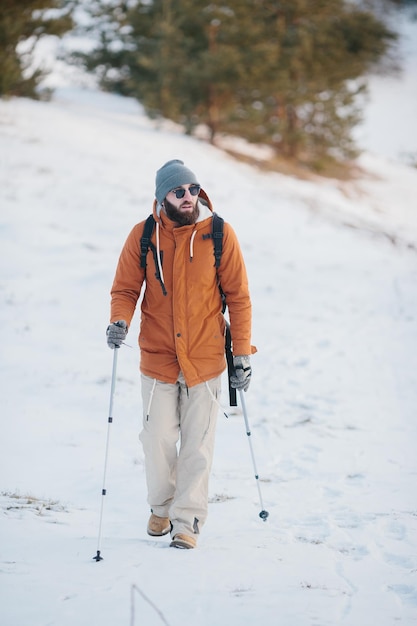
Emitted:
<point x="180" y="192"/>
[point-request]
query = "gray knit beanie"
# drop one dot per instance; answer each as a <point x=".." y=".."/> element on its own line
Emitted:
<point x="170" y="176"/>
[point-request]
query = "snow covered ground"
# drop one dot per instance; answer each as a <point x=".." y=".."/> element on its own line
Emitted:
<point x="332" y="404"/>
<point x="390" y="124"/>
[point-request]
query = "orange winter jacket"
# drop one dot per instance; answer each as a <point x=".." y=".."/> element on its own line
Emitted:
<point x="184" y="329"/>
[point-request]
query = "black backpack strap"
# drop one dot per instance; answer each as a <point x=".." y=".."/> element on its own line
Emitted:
<point x="145" y="240"/>
<point x="230" y="367"/>
<point x="145" y="244"/>
<point x="217" y="234"/>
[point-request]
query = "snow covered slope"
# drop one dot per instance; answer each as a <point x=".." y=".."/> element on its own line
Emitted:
<point x="332" y="404"/>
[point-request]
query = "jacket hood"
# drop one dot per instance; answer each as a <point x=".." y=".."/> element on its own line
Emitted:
<point x="163" y="223"/>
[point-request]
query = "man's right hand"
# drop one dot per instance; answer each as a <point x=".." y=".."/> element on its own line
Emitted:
<point x="116" y="334"/>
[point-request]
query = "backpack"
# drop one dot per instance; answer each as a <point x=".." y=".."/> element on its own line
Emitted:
<point x="217" y="236"/>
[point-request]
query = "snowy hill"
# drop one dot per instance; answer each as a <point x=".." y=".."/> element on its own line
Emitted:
<point x="332" y="405"/>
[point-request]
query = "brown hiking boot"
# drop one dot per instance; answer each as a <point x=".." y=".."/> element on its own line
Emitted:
<point x="183" y="541"/>
<point x="158" y="526"/>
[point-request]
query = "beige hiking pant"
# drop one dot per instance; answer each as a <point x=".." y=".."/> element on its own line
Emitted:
<point x="178" y="441"/>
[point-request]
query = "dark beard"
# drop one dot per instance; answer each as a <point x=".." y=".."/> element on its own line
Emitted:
<point x="180" y="218"/>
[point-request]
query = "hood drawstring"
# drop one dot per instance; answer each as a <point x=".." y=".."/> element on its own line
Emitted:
<point x="213" y="397"/>
<point x="192" y="244"/>
<point x="161" y="273"/>
<point x="158" y="254"/>
<point x="148" y="410"/>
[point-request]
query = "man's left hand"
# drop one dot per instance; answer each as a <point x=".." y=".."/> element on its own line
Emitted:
<point x="243" y="372"/>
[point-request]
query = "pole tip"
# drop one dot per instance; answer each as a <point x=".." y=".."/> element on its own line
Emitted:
<point x="264" y="515"/>
<point x="97" y="557"/>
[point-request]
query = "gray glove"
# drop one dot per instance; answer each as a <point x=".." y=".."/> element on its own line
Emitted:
<point x="116" y="334"/>
<point x="243" y="372"/>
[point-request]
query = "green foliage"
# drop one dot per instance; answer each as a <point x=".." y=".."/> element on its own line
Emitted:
<point x="273" y="72"/>
<point x="27" y="21"/>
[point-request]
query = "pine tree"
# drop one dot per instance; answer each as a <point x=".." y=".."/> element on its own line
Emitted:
<point x="275" y="72"/>
<point x="27" y="21"/>
<point x="305" y="95"/>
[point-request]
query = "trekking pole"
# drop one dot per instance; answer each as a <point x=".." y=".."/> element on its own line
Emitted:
<point x="263" y="514"/>
<point x="98" y="557"/>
